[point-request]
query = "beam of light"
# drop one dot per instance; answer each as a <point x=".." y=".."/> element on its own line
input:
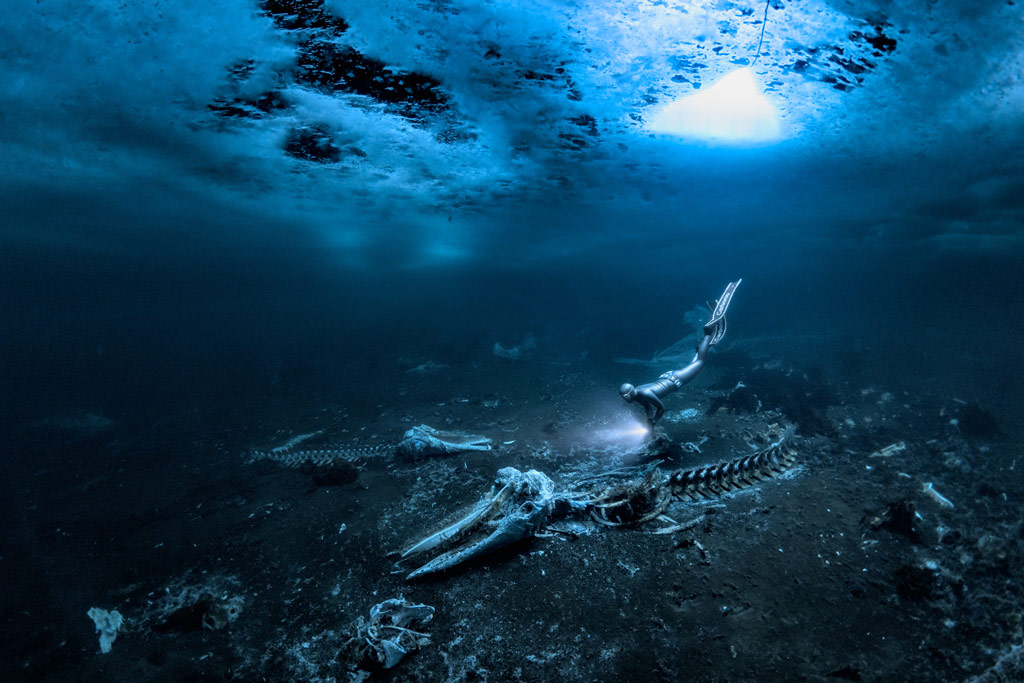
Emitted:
<point x="637" y="431"/>
<point x="628" y="433"/>
<point x="733" y="110"/>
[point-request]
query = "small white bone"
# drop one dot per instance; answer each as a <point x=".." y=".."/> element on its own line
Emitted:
<point x="890" y="450"/>
<point x="930" y="491"/>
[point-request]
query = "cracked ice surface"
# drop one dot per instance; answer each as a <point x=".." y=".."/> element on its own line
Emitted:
<point x="443" y="132"/>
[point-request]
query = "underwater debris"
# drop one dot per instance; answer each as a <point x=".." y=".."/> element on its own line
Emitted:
<point x="107" y="625"/>
<point x="424" y="442"/>
<point x="295" y="441"/>
<point x="518" y="505"/>
<point x="521" y="503"/>
<point x="194" y="603"/>
<point x="929" y="490"/>
<point x="321" y="457"/>
<point x="417" y="443"/>
<point x="890" y="450"/>
<point x="684" y="415"/>
<point x="424" y="368"/>
<point x="389" y="634"/>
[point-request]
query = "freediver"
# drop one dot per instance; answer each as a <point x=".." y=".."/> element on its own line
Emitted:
<point x="649" y="395"/>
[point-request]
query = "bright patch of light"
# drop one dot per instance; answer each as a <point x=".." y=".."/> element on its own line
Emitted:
<point x="636" y="431"/>
<point x="628" y="433"/>
<point x="732" y="110"/>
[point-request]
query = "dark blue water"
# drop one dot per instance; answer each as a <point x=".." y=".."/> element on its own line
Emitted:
<point x="228" y="226"/>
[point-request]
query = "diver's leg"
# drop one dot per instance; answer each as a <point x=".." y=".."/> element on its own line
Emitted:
<point x="681" y="377"/>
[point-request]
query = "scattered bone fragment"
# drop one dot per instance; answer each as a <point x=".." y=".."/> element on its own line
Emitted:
<point x="518" y="505"/>
<point x="890" y="450"/>
<point x="425" y="368"/>
<point x="417" y="443"/>
<point x="321" y="457"/>
<point x="929" y="490"/>
<point x="108" y="623"/>
<point x="424" y="442"/>
<point x="295" y="441"/>
<point x="391" y="632"/>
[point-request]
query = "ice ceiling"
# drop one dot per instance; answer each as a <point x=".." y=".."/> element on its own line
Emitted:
<point x="462" y="129"/>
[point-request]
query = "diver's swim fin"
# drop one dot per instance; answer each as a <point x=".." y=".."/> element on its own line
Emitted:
<point x="716" y="325"/>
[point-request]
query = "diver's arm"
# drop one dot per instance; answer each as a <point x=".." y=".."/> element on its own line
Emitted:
<point x="657" y="407"/>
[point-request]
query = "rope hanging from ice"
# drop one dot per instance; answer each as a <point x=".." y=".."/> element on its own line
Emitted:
<point x="761" y="39"/>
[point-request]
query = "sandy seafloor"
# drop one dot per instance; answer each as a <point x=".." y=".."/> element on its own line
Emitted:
<point x="844" y="569"/>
